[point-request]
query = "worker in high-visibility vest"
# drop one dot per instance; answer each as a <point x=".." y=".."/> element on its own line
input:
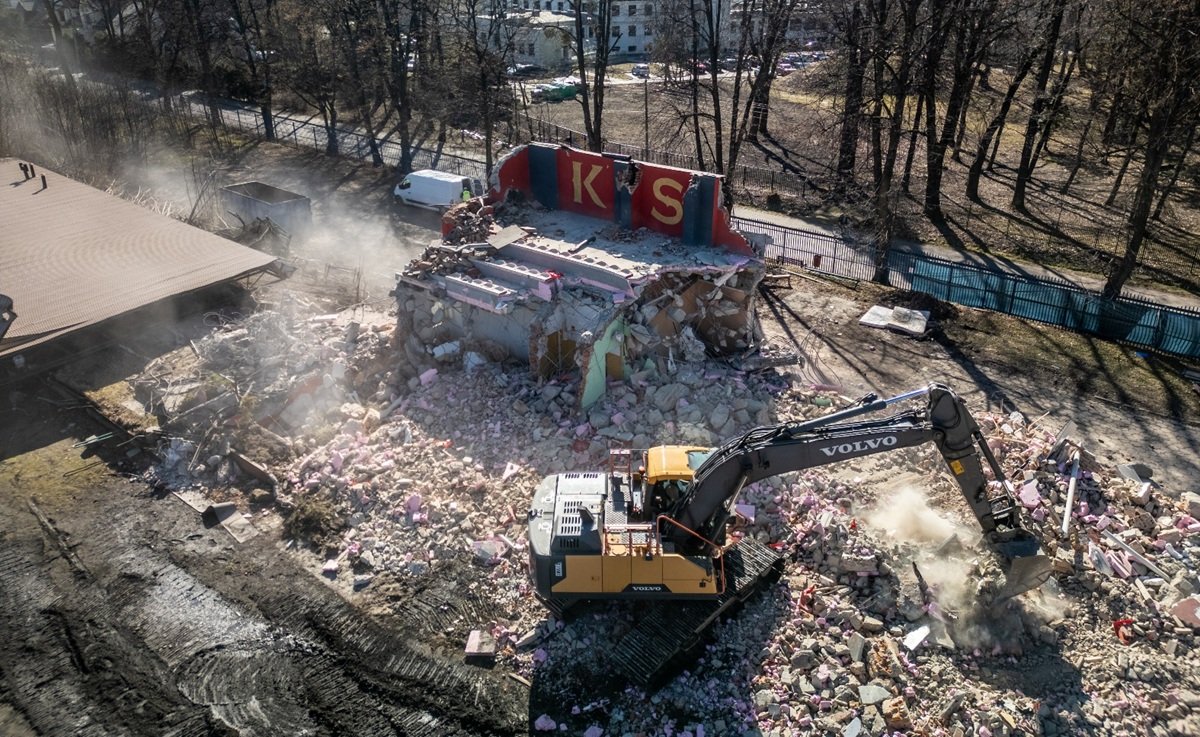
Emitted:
<point x="466" y="195"/>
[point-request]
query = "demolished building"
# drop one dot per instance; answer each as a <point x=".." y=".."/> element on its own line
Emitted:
<point x="583" y="263"/>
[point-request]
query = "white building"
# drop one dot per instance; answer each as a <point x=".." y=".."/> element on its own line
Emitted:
<point x="808" y="26"/>
<point x="540" y="37"/>
<point x="633" y="25"/>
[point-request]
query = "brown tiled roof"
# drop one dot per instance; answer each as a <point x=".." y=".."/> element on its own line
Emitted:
<point x="72" y="256"/>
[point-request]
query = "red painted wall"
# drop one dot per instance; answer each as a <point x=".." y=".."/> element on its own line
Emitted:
<point x="658" y="198"/>
<point x="585" y="183"/>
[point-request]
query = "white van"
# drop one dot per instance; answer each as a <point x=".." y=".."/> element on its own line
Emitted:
<point x="436" y="190"/>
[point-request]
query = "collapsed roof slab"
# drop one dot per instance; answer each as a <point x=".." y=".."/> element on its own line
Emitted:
<point x="72" y="256"/>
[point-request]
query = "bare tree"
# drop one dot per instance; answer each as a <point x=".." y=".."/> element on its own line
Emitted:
<point x="353" y="26"/>
<point x="254" y="34"/>
<point x="1163" y="38"/>
<point x="309" y="66"/>
<point x="593" y="20"/>
<point x="406" y="26"/>
<point x="486" y="48"/>
<point x="974" y="27"/>
<point x="852" y="41"/>
<point x="1025" y="168"/>
<point x="888" y="45"/>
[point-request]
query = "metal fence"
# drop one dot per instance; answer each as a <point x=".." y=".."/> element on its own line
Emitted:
<point x="350" y="143"/>
<point x="1130" y="320"/>
<point x="806" y="249"/>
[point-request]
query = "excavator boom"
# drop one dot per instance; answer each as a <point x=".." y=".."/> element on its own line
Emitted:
<point x="945" y="422"/>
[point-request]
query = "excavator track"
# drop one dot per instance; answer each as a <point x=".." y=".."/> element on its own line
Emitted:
<point x="669" y="634"/>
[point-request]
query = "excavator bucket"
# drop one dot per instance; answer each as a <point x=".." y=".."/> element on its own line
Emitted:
<point x="1025" y="574"/>
<point x="1026" y="568"/>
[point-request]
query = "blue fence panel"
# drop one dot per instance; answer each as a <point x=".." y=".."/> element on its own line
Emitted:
<point x="1181" y="334"/>
<point x="1132" y="321"/>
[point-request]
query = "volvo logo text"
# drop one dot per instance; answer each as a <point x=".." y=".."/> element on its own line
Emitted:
<point x="858" y="446"/>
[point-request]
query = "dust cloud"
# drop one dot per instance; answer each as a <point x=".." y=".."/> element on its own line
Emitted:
<point x="906" y="516"/>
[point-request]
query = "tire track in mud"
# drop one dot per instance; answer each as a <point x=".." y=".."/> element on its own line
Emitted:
<point x="66" y="669"/>
<point x="449" y="698"/>
<point x="144" y="642"/>
<point x="306" y="662"/>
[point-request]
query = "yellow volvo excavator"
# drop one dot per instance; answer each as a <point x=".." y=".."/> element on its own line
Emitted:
<point x="653" y="526"/>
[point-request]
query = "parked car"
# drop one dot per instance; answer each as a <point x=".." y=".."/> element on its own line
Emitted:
<point x="526" y="70"/>
<point x="783" y="69"/>
<point x="558" y="91"/>
<point x="640" y="70"/>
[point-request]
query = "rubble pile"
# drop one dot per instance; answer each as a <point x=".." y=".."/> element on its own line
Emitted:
<point x="849" y="642"/>
<point x="847" y="645"/>
<point x="256" y="391"/>
<point x="468" y="222"/>
<point x="431" y="477"/>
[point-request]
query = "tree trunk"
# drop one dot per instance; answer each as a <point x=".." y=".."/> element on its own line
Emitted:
<point x="268" y="118"/>
<point x="1056" y="98"/>
<point x="886" y="168"/>
<point x="1078" y="161"/>
<point x="329" y="116"/>
<point x="961" y="127"/>
<point x="912" y="141"/>
<point x="1139" y="215"/>
<point x="852" y="107"/>
<point x="996" y="126"/>
<point x="60" y="45"/>
<point x="1114" y="111"/>
<point x="592" y="92"/>
<point x="1112" y="195"/>
<point x="935" y="145"/>
<point x="1025" y="168"/>
<point x="1179" y="164"/>
<point x="760" y="109"/>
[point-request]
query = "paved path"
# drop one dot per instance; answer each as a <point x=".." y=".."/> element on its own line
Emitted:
<point x="1084" y="280"/>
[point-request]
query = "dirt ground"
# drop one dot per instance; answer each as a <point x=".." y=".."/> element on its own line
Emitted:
<point x="123" y="614"/>
<point x="823" y="321"/>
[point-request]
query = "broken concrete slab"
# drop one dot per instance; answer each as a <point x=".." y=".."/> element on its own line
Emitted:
<point x="900" y="319"/>
<point x="1188" y="611"/>
<point x="481" y="647"/>
<point x="226" y="515"/>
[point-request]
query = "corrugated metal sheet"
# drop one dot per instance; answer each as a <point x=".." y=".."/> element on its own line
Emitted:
<point x="72" y="256"/>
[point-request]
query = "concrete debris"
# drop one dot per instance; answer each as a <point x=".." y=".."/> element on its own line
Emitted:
<point x="1188" y="611"/>
<point x="900" y="319"/>
<point x="871" y="694"/>
<point x="914" y="639"/>
<point x="423" y="477"/>
<point x="895" y="713"/>
<point x="568" y="294"/>
<point x="480" y="646"/>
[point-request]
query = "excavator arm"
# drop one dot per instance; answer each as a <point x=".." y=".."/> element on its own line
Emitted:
<point x="850" y="433"/>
